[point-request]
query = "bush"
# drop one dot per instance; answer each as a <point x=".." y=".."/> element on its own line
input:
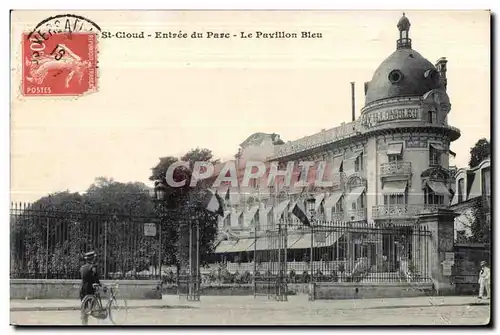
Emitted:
<point x="333" y="276"/>
<point x="226" y="277"/>
<point x="246" y="277"/>
<point x="169" y="277"/>
<point x="305" y="277"/>
<point x="237" y="277"/>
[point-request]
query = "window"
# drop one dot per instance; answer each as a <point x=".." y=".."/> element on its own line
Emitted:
<point x="338" y="206"/>
<point x="362" y="201"/>
<point x="396" y="199"/>
<point x="358" y="163"/>
<point x="434" y="156"/>
<point x="395" y="158"/>
<point x="431" y="198"/>
<point x="461" y="183"/>
<point x="486" y="181"/>
<point x="432" y="117"/>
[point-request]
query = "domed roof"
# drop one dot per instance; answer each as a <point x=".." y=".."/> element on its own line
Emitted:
<point x="404" y="73"/>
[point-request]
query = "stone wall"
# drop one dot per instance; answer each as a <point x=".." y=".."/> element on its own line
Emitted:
<point x="69" y="289"/>
<point x="326" y="290"/>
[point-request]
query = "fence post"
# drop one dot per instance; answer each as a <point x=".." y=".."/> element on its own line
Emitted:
<point x="105" y="247"/>
<point x="254" y="260"/>
<point x="47" y="252"/>
<point x="159" y="249"/>
<point x="198" y="271"/>
<point x="311" y="269"/>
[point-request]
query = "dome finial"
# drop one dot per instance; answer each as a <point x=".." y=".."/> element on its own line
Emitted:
<point x="404" y="23"/>
<point x="404" y="32"/>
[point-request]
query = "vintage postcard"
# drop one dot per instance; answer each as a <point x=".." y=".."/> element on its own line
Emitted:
<point x="250" y="167"/>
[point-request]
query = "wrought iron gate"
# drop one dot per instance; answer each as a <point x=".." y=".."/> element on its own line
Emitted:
<point x="189" y="279"/>
<point x="270" y="264"/>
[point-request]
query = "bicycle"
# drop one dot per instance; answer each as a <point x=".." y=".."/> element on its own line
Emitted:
<point x="92" y="305"/>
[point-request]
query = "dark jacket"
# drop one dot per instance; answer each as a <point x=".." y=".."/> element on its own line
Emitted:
<point x="89" y="276"/>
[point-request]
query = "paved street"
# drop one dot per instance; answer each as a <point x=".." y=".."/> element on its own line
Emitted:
<point x="247" y="311"/>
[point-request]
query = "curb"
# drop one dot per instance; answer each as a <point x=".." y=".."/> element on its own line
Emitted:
<point x="424" y="306"/>
<point x="77" y="308"/>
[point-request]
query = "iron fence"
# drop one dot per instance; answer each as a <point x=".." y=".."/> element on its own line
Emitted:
<point x="50" y="244"/>
<point x="290" y="252"/>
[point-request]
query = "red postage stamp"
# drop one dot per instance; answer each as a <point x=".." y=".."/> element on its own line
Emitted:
<point x="63" y="64"/>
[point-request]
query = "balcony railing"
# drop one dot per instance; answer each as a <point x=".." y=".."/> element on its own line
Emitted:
<point x="339" y="216"/>
<point x="356" y="215"/>
<point x="395" y="169"/>
<point x="403" y="211"/>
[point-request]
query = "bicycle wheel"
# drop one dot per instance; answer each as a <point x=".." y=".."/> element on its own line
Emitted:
<point x="88" y="305"/>
<point x="118" y="311"/>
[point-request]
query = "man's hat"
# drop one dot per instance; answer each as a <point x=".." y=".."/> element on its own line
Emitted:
<point x="89" y="254"/>
<point x="483" y="262"/>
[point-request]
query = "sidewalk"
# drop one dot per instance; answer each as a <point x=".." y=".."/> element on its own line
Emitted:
<point x="229" y="302"/>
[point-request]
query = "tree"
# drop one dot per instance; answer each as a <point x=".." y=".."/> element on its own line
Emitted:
<point x="183" y="207"/>
<point x="479" y="152"/>
<point x="51" y="235"/>
<point x="481" y="222"/>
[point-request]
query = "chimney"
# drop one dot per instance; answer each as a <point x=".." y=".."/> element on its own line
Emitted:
<point x="441" y="68"/>
<point x="353" y="102"/>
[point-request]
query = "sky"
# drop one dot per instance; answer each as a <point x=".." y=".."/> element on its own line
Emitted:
<point x="162" y="97"/>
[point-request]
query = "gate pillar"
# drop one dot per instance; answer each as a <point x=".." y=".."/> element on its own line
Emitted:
<point x="440" y="223"/>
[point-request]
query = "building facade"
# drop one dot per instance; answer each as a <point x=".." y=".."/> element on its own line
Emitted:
<point x="391" y="163"/>
<point x="388" y="167"/>
<point x="473" y="187"/>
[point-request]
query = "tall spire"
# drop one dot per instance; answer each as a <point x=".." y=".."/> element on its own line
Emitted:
<point x="404" y="41"/>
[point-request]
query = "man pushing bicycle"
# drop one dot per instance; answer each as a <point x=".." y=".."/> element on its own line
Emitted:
<point x="89" y="275"/>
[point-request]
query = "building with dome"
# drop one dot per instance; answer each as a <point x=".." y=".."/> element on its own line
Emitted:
<point x="389" y="166"/>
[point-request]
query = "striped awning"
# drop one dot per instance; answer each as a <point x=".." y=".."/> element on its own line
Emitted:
<point x="318" y="199"/>
<point x="250" y="214"/>
<point x="332" y="200"/>
<point x="395" y="149"/>
<point x="266" y="243"/>
<point x="355" y="194"/>
<point x="244" y="244"/>
<point x="304" y="242"/>
<point x="225" y="246"/>
<point x="321" y="239"/>
<point x="234" y="218"/>
<point x="438" y="187"/>
<point x="337" y="162"/>
<point x="437" y="146"/>
<point x="278" y="210"/>
<point x="394" y="187"/>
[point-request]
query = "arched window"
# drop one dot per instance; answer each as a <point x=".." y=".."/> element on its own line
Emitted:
<point x="461" y="184"/>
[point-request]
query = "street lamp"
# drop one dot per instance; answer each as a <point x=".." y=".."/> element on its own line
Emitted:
<point x="159" y="191"/>
<point x="158" y="194"/>
<point x="310" y="207"/>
